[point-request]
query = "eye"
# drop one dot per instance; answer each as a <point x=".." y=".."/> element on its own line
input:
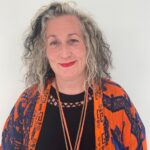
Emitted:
<point x="54" y="43"/>
<point x="73" y="41"/>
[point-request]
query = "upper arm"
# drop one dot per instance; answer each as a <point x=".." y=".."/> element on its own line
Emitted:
<point x="126" y="126"/>
<point x="13" y="132"/>
<point x="133" y="128"/>
<point x="12" y="135"/>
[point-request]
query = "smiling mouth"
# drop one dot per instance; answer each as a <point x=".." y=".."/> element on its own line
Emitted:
<point x="68" y="64"/>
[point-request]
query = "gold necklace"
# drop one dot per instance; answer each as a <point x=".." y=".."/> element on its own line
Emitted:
<point x="64" y="123"/>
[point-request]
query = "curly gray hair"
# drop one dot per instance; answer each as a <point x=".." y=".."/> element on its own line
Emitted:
<point x="98" y="52"/>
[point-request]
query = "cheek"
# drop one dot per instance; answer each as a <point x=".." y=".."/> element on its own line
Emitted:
<point x="79" y="49"/>
<point x="81" y="53"/>
<point x="48" y="52"/>
<point x="51" y="55"/>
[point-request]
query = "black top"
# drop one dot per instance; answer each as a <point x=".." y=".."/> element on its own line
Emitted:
<point x="51" y="136"/>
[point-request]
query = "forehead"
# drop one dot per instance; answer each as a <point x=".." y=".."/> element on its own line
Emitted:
<point x="63" y="24"/>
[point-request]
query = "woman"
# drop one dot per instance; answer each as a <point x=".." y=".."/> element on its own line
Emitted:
<point x="71" y="103"/>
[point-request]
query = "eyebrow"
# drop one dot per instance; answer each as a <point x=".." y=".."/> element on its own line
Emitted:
<point x="52" y="35"/>
<point x="73" y="34"/>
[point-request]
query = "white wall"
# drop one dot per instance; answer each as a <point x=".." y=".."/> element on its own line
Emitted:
<point x="126" y="26"/>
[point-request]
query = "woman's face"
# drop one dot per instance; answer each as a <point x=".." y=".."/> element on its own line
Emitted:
<point x="65" y="47"/>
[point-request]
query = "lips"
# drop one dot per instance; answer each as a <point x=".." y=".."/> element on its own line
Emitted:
<point x="67" y="64"/>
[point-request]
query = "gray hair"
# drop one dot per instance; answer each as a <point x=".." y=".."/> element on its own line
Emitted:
<point x="98" y="58"/>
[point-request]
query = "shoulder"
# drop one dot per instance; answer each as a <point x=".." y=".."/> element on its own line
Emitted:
<point x="115" y="97"/>
<point x="26" y="98"/>
<point x="111" y="88"/>
<point x="28" y="94"/>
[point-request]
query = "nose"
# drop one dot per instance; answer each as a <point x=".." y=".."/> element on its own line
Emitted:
<point x="65" y="51"/>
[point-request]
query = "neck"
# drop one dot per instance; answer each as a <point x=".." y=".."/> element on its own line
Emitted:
<point x="70" y="87"/>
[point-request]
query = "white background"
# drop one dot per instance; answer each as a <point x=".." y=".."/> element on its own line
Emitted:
<point x="126" y="26"/>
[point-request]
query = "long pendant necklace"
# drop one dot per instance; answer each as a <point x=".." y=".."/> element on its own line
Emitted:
<point x="64" y="123"/>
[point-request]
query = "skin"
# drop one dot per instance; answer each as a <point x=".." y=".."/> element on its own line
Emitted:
<point x="66" y="52"/>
